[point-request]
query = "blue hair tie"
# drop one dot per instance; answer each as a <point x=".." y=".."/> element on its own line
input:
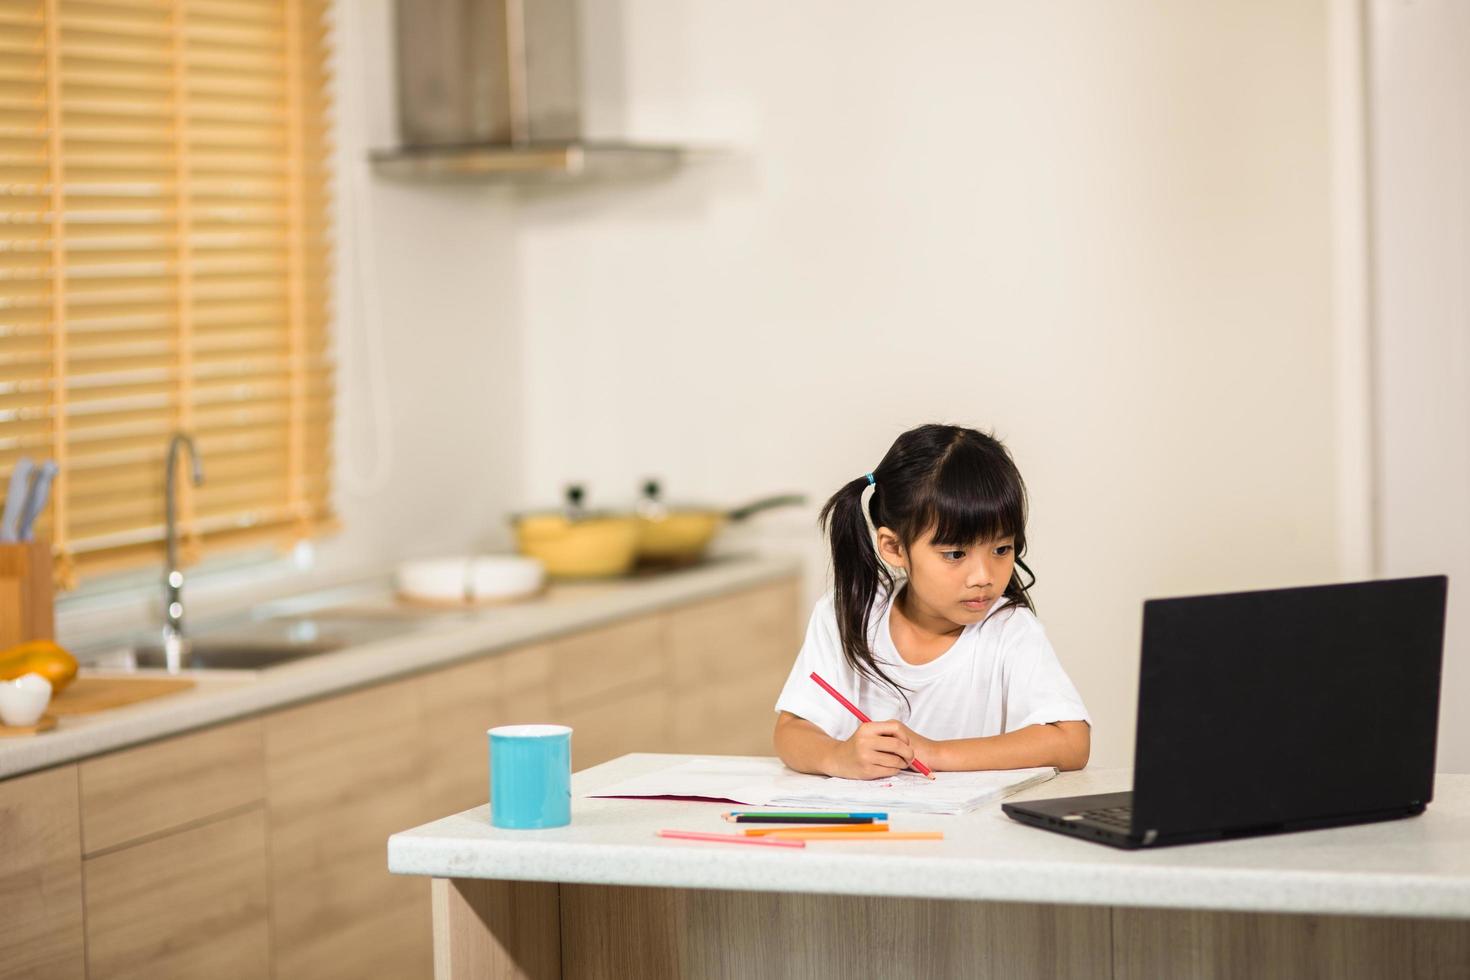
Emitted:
<point x="871" y="481"/>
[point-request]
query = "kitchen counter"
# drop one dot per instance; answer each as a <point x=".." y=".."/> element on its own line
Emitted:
<point x="605" y="897"/>
<point x="437" y="639"/>
<point x="1417" y="867"/>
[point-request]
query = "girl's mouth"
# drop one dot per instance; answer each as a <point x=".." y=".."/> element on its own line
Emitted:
<point x="976" y="603"/>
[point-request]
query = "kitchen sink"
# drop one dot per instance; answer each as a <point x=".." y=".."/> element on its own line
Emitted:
<point x="208" y="654"/>
<point x="261" y="644"/>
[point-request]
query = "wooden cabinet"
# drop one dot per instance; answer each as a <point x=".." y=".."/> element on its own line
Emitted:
<point x="460" y="704"/>
<point x="611" y="685"/>
<point x="602" y="663"/>
<point x="344" y="773"/>
<point x="341" y="775"/>
<point x="188" y="904"/>
<point x="636" y="721"/>
<point x="137" y="793"/>
<point x="174" y="834"/>
<point x="258" y="848"/>
<point x="41" y="876"/>
<point x="728" y="659"/>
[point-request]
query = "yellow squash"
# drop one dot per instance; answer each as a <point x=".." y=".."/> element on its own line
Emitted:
<point x="44" y="657"/>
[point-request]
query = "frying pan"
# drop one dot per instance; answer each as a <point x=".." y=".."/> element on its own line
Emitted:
<point x="678" y="535"/>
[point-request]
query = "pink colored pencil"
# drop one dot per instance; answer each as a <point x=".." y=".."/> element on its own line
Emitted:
<point x="729" y="838"/>
<point x="857" y="713"/>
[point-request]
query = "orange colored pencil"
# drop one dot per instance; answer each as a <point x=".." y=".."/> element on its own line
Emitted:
<point x="814" y="835"/>
<point x="866" y="828"/>
<point x="728" y="838"/>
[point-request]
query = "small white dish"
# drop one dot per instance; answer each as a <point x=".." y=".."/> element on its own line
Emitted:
<point x="23" y="701"/>
<point x="501" y="578"/>
<point x="471" y="578"/>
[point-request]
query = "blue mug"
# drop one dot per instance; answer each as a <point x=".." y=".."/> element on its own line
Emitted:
<point x="530" y="776"/>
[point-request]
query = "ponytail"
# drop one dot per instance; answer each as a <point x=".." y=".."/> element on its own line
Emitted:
<point x="857" y="573"/>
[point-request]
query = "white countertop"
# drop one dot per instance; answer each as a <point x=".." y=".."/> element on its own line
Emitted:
<point x="437" y="639"/>
<point x="1417" y="867"/>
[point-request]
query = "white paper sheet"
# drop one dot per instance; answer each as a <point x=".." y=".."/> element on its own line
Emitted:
<point x="766" y="782"/>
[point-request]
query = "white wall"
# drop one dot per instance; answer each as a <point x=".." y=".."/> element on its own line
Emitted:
<point x="427" y="272"/>
<point x="1420" y="166"/>
<point x="1102" y="230"/>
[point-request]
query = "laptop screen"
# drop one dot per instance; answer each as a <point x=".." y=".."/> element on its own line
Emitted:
<point x="1287" y="704"/>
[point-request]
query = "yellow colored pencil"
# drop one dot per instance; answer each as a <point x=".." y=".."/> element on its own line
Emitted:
<point x="813" y="835"/>
<point x="866" y="828"/>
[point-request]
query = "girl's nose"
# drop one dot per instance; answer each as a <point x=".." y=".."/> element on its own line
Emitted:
<point x="979" y="576"/>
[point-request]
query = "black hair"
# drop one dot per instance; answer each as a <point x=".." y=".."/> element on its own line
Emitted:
<point x="961" y="482"/>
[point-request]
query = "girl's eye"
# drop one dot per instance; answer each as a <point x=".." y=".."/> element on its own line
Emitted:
<point x="952" y="555"/>
<point x="1004" y="550"/>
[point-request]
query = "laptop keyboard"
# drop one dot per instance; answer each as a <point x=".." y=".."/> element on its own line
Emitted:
<point x="1116" y="817"/>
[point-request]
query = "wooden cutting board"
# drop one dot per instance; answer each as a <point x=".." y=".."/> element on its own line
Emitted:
<point x="88" y="694"/>
<point x="46" y="723"/>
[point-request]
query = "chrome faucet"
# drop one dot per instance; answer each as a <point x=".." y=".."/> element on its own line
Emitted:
<point x="173" y="613"/>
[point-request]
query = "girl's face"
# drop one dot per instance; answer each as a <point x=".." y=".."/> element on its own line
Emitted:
<point x="951" y="580"/>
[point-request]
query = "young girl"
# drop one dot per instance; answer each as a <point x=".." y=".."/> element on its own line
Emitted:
<point x="949" y="652"/>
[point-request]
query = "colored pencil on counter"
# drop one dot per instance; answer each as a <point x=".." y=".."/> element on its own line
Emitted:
<point x="863" y="829"/>
<point x="806" y="835"/>
<point x="810" y="821"/>
<point x="915" y="763"/>
<point x="752" y="816"/>
<point x="729" y="838"/>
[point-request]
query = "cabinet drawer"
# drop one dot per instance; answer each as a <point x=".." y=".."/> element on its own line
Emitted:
<point x="343" y="774"/>
<point x="632" y="723"/>
<point x="41" y="876"/>
<point x="189" y="904"/>
<point x="138" y="792"/>
<point x="729" y="637"/>
<point x="707" y="716"/>
<point x="522" y="669"/>
<point x="460" y="704"/>
<point x="589" y="665"/>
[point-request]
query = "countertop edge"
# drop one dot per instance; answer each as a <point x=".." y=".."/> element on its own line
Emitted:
<point x="811" y="872"/>
<point x="1266" y="891"/>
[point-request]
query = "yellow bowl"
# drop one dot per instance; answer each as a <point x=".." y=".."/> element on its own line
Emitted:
<point x="598" y="547"/>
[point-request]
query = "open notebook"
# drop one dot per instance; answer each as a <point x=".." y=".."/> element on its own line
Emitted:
<point x="766" y="782"/>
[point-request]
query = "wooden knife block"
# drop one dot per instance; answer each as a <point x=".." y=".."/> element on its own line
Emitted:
<point x="27" y="602"/>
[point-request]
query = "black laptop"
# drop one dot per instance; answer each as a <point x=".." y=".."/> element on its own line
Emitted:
<point x="1268" y="712"/>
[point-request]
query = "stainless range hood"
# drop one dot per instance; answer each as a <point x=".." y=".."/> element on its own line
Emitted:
<point x="492" y="90"/>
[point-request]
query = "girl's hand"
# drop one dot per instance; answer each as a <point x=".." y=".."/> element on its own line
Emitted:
<point x="926" y="750"/>
<point x="876" y="749"/>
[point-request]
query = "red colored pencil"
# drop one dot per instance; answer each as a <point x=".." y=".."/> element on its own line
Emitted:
<point x="862" y="717"/>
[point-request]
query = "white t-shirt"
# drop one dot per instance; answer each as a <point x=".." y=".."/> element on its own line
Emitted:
<point x="1001" y="675"/>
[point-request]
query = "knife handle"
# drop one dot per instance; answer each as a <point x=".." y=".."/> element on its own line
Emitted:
<point x="36" y="499"/>
<point x="15" y="498"/>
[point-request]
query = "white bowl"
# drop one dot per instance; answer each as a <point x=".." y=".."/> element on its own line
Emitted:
<point x="471" y="578"/>
<point x="436" y="579"/>
<point x="500" y="577"/>
<point x="23" y="701"/>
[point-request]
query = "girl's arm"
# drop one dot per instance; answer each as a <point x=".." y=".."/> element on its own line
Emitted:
<point x="1064" y="744"/>
<point x="877" y="748"/>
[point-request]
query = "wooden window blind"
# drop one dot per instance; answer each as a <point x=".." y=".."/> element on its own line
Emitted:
<point x="165" y="266"/>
